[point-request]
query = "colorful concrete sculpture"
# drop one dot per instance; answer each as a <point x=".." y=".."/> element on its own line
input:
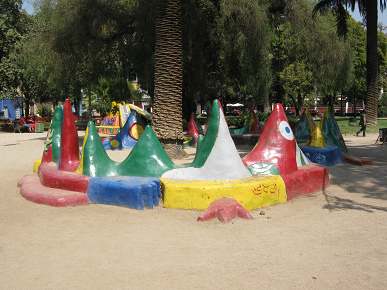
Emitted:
<point x="216" y="157"/>
<point x="194" y="130"/>
<point x="216" y="172"/>
<point x="277" y="145"/>
<point x="252" y="127"/>
<point x="128" y="135"/>
<point x="225" y="209"/>
<point x="132" y="192"/>
<point x="118" y="116"/>
<point x="56" y="187"/>
<point x="69" y="149"/>
<point x="317" y="151"/>
<point x="147" y="158"/>
<point x="304" y="127"/>
<point x="331" y="131"/>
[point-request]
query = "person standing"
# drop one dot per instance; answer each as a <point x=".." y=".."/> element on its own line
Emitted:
<point x="363" y="123"/>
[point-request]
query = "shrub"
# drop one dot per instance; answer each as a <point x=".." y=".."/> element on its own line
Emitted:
<point x="382" y="112"/>
<point x="238" y="121"/>
<point x="292" y="122"/>
<point x="44" y="110"/>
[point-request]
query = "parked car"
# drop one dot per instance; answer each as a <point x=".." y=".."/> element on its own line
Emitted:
<point x="234" y="112"/>
<point x="314" y="113"/>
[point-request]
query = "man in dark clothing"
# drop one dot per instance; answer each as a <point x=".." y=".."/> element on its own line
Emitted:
<point x="363" y="123"/>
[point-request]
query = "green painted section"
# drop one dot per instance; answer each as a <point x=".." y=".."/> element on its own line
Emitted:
<point x="148" y="158"/>
<point x="54" y="134"/>
<point x="205" y="146"/>
<point x="263" y="169"/>
<point x="302" y="130"/>
<point x="200" y="142"/>
<point x="243" y="130"/>
<point x="191" y="141"/>
<point x="331" y="132"/>
<point x="96" y="162"/>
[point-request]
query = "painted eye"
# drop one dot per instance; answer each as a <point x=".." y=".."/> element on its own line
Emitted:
<point x="285" y="130"/>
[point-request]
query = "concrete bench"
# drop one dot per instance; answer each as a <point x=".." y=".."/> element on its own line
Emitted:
<point x="81" y="124"/>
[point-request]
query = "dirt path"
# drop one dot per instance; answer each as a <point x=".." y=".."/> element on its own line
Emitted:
<point x="334" y="239"/>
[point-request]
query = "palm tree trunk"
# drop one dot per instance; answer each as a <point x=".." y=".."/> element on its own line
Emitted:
<point x="167" y="120"/>
<point x="372" y="62"/>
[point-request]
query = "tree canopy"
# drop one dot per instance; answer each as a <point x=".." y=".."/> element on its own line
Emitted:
<point x="237" y="51"/>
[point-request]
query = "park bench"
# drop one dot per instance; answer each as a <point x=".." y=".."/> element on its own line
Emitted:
<point x="81" y="124"/>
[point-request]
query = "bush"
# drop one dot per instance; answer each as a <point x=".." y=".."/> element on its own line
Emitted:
<point x="238" y="121"/>
<point x="44" y="110"/>
<point x="292" y="122"/>
<point x="382" y="112"/>
<point x="262" y="117"/>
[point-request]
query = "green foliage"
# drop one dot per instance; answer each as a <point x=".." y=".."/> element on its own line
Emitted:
<point x="238" y="121"/>
<point x="262" y="117"/>
<point x="233" y="50"/>
<point x="292" y="121"/>
<point x="44" y="110"/>
<point x="382" y="112"/>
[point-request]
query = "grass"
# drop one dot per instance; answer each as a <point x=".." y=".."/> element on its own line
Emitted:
<point x="352" y="128"/>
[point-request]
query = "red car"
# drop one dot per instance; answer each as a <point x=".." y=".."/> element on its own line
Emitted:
<point x="314" y="112"/>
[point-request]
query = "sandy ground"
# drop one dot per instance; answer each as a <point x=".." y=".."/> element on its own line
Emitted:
<point x="332" y="239"/>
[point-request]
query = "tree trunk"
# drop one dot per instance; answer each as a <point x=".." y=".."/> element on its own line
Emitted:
<point x="266" y="102"/>
<point x="372" y="62"/>
<point x="89" y="95"/>
<point x="167" y="120"/>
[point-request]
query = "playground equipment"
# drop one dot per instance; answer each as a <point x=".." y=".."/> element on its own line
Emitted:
<point x="316" y="148"/>
<point x="325" y="145"/>
<point x="118" y="116"/>
<point x="128" y="135"/>
<point x="66" y="178"/>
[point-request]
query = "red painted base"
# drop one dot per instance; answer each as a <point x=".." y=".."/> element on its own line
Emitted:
<point x="356" y="161"/>
<point x="225" y="209"/>
<point x="50" y="176"/>
<point x="307" y="179"/>
<point x="31" y="189"/>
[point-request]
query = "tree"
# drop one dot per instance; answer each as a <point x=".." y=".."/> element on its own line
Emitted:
<point x="297" y="81"/>
<point x="13" y="23"/>
<point x="313" y="56"/>
<point x="369" y="11"/>
<point x="167" y="105"/>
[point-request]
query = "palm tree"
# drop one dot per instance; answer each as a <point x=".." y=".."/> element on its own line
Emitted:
<point x="369" y="11"/>
<point x="168" y="118"/>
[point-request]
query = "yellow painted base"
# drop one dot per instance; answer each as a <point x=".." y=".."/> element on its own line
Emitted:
<point x="36" y="165"/>
<point x="253" y="192"/>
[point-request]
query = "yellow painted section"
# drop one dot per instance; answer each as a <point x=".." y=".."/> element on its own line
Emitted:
<point x="253" y="192"/>
<point x="317" y="138"/>
<point x="251" y="121"/>
<point x="80" y="167"/>
<point x="36" y="165"/>
<point x="310" y="120"/>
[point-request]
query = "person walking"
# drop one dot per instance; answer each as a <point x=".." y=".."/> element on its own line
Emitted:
<point x="363" y="123"/>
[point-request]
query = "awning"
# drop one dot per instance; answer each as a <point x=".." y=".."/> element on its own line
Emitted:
<point x="235" y="105"/>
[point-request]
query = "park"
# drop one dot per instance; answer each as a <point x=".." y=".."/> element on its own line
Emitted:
<point x="301" y="206"/>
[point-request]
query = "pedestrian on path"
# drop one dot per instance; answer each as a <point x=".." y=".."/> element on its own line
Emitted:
<point x="363" y="123"/>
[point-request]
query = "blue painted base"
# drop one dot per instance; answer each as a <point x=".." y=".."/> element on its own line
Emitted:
<point x="127" y="191"/>
<point x="328" y="155"/>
